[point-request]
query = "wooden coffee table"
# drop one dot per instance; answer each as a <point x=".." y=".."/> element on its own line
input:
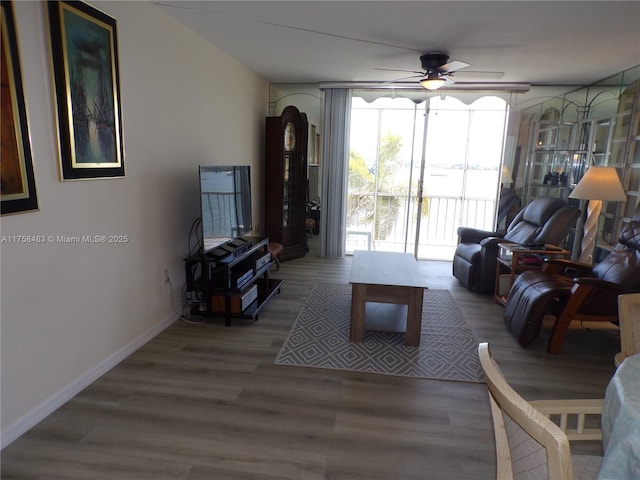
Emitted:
<point x="386" y="277"/>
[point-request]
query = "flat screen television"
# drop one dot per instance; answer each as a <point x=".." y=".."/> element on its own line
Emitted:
<point x="225" y="204"/>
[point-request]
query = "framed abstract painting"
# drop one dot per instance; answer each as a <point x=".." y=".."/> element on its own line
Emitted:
<point x="84" y="58"/>
<point x="17" y="179"/>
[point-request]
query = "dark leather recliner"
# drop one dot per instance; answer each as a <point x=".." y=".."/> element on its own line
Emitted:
<point x="574" y="291"/>
<point x="543" y="220"/>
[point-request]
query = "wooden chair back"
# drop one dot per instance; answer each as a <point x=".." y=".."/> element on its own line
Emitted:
<point x="528" y="440"/>
<point x="629" y="317"/>
<point x="528" y="444"/>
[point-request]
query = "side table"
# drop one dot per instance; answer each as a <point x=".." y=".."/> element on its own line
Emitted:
<point x="514" y="258"/>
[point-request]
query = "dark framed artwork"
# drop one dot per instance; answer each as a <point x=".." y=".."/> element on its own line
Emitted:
<point x="17" y="179"/>
<point x="84" y="56"/>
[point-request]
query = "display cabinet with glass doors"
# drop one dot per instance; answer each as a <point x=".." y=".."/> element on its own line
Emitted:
<point x="624" y="156"/>
<point x="603" y="131"/>
<point x="561" y="154"/>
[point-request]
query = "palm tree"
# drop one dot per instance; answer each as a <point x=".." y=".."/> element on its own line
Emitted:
<point x="372" y="193"/>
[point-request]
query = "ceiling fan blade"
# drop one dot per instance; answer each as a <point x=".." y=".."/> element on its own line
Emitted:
<point x="479" y="74"/>
<point x="396" y="70"/>
<point x="453" y="66"/>
<point x="448" y="81"/>
<point x="401" y="79"/>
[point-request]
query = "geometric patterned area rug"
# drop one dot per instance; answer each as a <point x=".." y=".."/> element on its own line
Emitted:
<point x="320" y="338"/>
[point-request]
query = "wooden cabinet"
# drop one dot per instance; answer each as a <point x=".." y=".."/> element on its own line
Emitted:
<point x="286" y="181"/>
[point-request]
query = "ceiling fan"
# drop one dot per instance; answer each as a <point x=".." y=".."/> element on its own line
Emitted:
<point x="437" y="70"/>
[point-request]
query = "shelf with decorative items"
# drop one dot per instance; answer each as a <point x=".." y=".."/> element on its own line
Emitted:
<point x="593" y="126"/>
<point x="559" y="159"/>
<point x="555" y="171"/>
<point x="560" y="154"/>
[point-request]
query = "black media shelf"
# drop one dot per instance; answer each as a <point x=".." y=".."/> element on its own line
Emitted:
<point x="233" y="281"/>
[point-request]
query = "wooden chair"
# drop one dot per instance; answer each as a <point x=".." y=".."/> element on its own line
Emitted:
<point x="528" y="444"/>
<point x="629" y="317"/>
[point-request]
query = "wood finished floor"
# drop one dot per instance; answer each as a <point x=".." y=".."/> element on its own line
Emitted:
<point x="207" y="402"/>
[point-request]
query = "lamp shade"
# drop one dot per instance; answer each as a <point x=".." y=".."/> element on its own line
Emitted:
<point x="599" y="183"/>
<point x="432" y="82"/>
<point x="506" y="175"/>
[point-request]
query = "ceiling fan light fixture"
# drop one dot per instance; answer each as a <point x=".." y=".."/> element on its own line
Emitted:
<point x="432" y="82"/>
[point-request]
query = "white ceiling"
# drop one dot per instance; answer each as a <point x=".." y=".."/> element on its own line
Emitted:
<point x="536" y="42"/>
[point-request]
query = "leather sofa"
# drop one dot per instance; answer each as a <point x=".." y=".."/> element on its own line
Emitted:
<point x="543" y="220"/>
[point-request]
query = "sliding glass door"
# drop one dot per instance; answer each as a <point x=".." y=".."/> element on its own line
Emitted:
<point x="384" y="171"/>
<point x="419" y="170"/>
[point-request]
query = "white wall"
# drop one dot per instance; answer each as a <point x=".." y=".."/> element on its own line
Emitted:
<point x="70" y="312"/>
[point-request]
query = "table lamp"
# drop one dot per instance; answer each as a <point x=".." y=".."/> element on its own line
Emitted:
<point x="597" y="184"/>
<point x="505" y="177"/>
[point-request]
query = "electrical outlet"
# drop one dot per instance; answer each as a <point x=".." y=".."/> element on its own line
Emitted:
<point x="165" y="276"/>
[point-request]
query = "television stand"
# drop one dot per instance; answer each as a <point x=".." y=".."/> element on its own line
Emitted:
<point x="233" y="280"/>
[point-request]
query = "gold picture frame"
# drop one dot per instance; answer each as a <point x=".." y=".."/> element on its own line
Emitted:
<point x="84" y="58"/>
<point x="17" y="178"/>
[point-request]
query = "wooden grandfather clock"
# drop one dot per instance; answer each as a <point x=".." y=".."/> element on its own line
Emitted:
<point x="286" y="181"/>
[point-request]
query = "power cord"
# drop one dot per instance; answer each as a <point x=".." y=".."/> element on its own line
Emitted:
<point x="194" y="231"/>
<point x="187" y="302"/>
<point x="185" y="317"/>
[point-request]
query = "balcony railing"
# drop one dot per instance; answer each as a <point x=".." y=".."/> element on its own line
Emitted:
<point x="390" y="223"/>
